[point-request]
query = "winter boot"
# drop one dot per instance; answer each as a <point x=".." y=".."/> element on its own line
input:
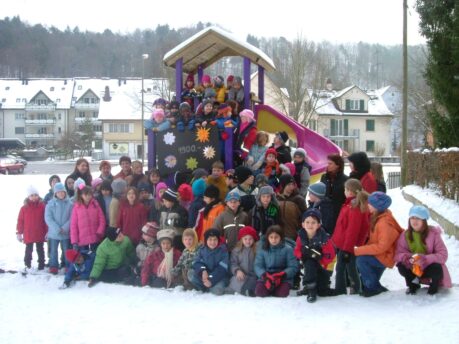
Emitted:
<point x="412" y="288"/>
<point x="53" y="270"/>
<point x="297" y="281"/>
<point x="312" y="292"/>
<point x="433" y="288"/>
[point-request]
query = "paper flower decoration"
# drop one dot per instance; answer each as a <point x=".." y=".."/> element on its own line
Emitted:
<point x="169" y="139"/>
<point x="209" y="152"/>
<point x="191" y="163"/>
<point x="203" y="134"/>
<point x="170" y="161"/>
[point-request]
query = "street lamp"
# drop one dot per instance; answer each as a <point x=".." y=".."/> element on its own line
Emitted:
<point x="142" y="131"/>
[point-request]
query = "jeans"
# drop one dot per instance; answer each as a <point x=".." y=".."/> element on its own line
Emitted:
<point x="315" y="274"/>
<point x="40" y="253"/>
<point x="53" y="251"/>
<point x="371" y="271"/>
<point x="344" y="269"/>
<point x="217" y="289"/>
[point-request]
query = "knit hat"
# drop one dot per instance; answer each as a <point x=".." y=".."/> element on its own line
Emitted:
<point x="247" y="230"/>
<point x="379" y="200"/>
<point x="317" y="189"/>
<point x="198" y="187"/>
<point x="185" y="192"/>
<point x="59" y="187"/>
<point x="72" y="255"/>
<point x="237" y="80"/>
<point x="158" y="114"/>
<point x="314" y="212"/>
<point x="150" y="229"/>
<point x="96" y="182"/>
<point x="286" y="179"/>
<point x="291" y="167"/>
<point x="247" y="114"/>
<point x="160" y="186"/>
<point x="160" y="101"/>
<point x="212" y="192"/>
<point x="218" y="81"/>
<point x="223" y="109"/>
<point x="166" y="234"/>
<point x="206" y="79"/>
<point x="261" y="179"/>
<point x="54" y="176"/>
<point x="283" y="136"/>
<point x="119" y="186"/>
<point x="230" y="78"/>
<point x="142" y="186"/>
<point x="184" y="106"/>
<point x="209" y="93"/>
<point x="79" y="184"/>
<point x="266" y="190"/>
<point x="199" y="173"/>
<point x="271" y="151"/>
<point x="32" y="190"/>
<point x="420" y="212"/>
<point x="242" y="173"/>
<point x="190" y="77"/>
<point x="233" y="195"/>
<point x="170" y="195"/>
<point x="112" y="233"/>
<point x="212" y="232"/>
<point x="301" y="152"/>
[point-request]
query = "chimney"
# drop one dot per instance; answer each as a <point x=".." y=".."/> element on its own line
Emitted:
<point x="329" y="85"/>
<point x="107" y="96"/>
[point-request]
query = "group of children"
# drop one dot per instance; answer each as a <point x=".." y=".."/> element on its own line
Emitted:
<point x="224" y="233"/>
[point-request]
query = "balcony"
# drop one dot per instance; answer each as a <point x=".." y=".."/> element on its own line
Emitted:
<point x="87" y="106"/>
<point x="98" y="134"/>
<point x="94" y="120"/>
<point x="39" y="136"/>
<point x="40" y="121"/>
<point x="40" y="107"/>
<point x="347" y="134"/>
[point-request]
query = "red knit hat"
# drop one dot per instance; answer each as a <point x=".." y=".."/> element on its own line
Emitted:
<point x="271" y="151"/>
<point x="190" y="77"/>
<point x="72" y="255"/>
<point x="185" y="192"/>
<point x="230" y="78"/>
<point x="247" y="230"/>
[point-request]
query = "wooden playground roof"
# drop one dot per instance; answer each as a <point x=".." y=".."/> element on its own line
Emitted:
<point x="212" y="44"/>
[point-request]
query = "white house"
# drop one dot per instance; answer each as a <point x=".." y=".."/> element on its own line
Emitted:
<point x="353" y="119"/>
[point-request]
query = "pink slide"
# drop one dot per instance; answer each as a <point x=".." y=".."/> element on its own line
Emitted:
<point x="317" y="146"/>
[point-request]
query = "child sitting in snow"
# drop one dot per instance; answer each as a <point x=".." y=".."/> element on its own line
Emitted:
<point x="80" y="266"/>
<point x="315" y="249"/>
<point x="148" y="243"/>
<point x="183" y="271"/>
<point x="158" y="121"/>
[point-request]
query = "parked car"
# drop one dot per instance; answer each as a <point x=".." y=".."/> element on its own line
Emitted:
<point x="8" y="165"/>
<point x="18" y="159"/>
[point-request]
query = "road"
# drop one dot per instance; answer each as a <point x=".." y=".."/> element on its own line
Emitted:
<point x="55" y="167"/>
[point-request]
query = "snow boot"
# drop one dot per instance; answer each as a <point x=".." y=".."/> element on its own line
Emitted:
<point x="412" y="288"/>
<point x="312" y="292"/>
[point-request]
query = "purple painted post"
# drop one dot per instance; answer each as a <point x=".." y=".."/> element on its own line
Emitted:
<point x="229" y="149"/>
<point x="178" y="78"/>
<point x="261" y="84"/>
<point x="151" y="150"/>
<point x="200" y="74"/>
<point x="246" y="83"/>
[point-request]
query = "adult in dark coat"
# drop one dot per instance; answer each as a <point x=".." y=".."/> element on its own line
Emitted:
<point x="334" y="179"/>
<point x="82" y="171"/>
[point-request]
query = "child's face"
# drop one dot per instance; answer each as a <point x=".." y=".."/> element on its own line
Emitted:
<point x="34" y="197"/>
<point x="265" y="199"/>
<point x="131" y="196"/>
<point x="311" y="225"/>
<point x="137" y="168"/>
<point x="298" y="159"/>
<point x="217" y="172"/>
<point x="274" y="239"/>
<point x="154" y="178"/>
<point x="105" y="169"/>
<point x="416" y="223"/>
<point x="249" y="181"/>
<point x="125" y="166"/>
<point x="144" y="195"/>
<point x="161" y="192"/>
<point x="105" y="192"/>
<point x="372" y="209"/>
<point x="53" y="182"/>
<point x="168" y="204"/>
<point x="83" y="167"/>
<point x="61" y="194"/>
<point x="148" y="238"/>
<point x="233" y="204"/>
<point x="70" y="182"/>
<point x="207" y="200"/>
<point x="244" y="119"/>
<point x="208" y="108"/>
<point x="166" y="245"/>
<point x="120" y="237"/>
<point x="189" y="84"/>
<point x="236" y="85"/>
<point x="206" y="84"/>
<point x="277" y="141"/>
<point x="187" y="241"/>
<point x="86" y="197"/>
<point x="247" y="241"/>
<point x="212" y="242"/>
<point x="186" y="112"/>
<point x="159" y="106"/>
<point x="348" y="193"/>
<point x="313" y="198"/>
<point x="270" y="158"/>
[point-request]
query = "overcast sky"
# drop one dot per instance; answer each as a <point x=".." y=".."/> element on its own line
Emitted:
<point x="374" y="21"/>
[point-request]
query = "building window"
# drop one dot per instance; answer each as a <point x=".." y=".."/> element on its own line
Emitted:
<point x="24" y="100"/>
<point x="339" y="127"/>
<point x="51" y="89"/>
<point x="18" y="100"/>
<point x="42" y="131"/>
<point x="81" y="114"/>
<point x="41" y="101"/>
<point x="118" y="128"/>
<point x="7" y="88"/>
<point x="97" y="128"/>
<point x="370" y="145"/>
<point x="58" y="100"/>
<point x="19" y="116"/>
<point x="370" y="125"/>
<point x="19" y="130"/>
<point x="355" y="104"/>
<point x="95" y="114"/>
<point x="59" y="130"/>
<point x="59" y="116"/>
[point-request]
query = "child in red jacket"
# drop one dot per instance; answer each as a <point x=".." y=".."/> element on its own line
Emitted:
<point x="31" y="227"/>
<point x="352" y="229"/>
<point x="132" y="216"/>
<point x="316" y="251"/>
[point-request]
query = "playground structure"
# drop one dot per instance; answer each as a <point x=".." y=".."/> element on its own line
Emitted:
<point x="211" y="44"/>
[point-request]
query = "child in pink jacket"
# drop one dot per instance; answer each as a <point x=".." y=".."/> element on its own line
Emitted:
<point x="87" y="227"/>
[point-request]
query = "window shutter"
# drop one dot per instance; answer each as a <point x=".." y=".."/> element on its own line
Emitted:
<point x="106" y="128"/>
<point x="346" y="127"/>
<point x="348" y="104"/>
<point x="362" y="105"/>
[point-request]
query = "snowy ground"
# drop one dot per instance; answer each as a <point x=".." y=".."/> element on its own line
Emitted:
<point x="34" y="310"/>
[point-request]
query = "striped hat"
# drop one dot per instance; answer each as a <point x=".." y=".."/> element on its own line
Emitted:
<point x="170" y="195"/>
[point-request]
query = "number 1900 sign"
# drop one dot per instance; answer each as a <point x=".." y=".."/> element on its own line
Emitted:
<point x="186" y="151"/>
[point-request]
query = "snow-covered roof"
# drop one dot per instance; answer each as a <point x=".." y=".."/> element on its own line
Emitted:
<point x="16" y="93"/>
<point x="343" y="91"/>
<point x="125" y="103"/>
<point x="210" y="45"/>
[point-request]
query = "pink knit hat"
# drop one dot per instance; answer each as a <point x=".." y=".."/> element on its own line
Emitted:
<point x="158" y="114"/>
<point x="206" y="79"/>
<point x="248" y="114"/>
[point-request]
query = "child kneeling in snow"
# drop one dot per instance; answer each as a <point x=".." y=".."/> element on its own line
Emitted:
<point x="315" y="249"/>
<point x="421" y="254"/>
<point x="183" y="271"/>
<point x="211" y="264"/>
<point x="80" y="266"/>
<point x="156" y="271"/>
<point x="275" y="265"/>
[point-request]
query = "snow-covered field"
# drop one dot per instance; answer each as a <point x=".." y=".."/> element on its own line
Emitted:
<point x="34" y="310"/>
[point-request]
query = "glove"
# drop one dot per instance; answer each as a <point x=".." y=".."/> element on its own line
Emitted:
<point x="278" y="277"/>
<point x="269" y="281"/>
<point x="92" y="282"/>
<point x="346" y="256"/>
<point x="19" y="237"/>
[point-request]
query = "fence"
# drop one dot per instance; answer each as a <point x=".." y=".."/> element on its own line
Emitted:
<point x="393" y="180"/>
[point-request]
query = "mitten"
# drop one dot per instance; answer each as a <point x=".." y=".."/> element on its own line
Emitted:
<point x="19" y="237"/>
<point x="278" y="277"/>
<point x="269" y="281"/>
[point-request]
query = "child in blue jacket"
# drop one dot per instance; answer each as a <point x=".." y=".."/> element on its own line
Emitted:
<point x="211" y="264"/>
<point x="80" y="266"/>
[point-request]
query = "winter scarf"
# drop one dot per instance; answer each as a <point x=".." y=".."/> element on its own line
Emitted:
<point x="272" y="167"/>
<point x="416" y="246"/>
<point x="164" y="269"/>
